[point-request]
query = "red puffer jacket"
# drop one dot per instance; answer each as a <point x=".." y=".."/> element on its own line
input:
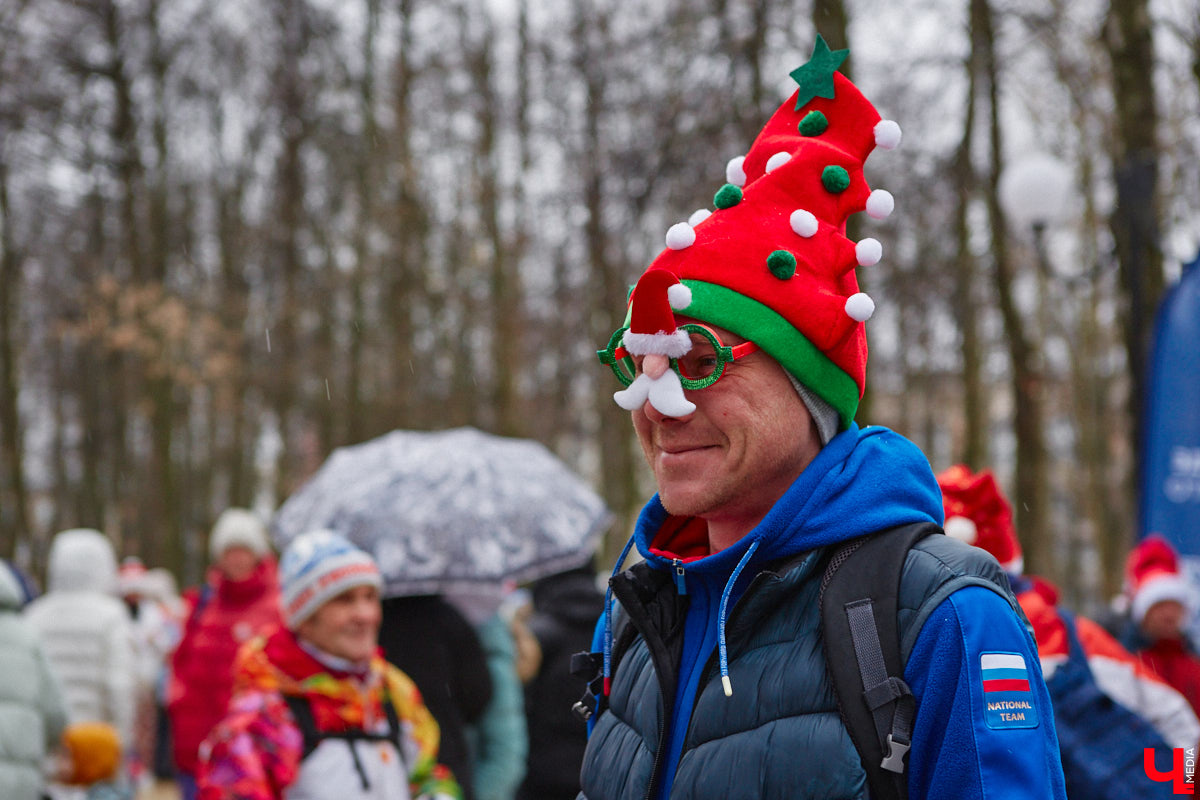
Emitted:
<point x="223" y="616"/>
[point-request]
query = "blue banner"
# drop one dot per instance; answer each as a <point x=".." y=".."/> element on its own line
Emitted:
<point x="1170" y="495"/>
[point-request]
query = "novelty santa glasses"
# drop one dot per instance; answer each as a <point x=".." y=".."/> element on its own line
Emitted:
<point x="700" y="367"/>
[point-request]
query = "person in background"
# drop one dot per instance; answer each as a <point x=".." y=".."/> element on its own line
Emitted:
<point x="434" y="644"/>
<point x="1161" y="603"/>
<point x="155" y="634"/>
<point x="498" y="741"/>
<point x="316" y="710"/>
<point x="238" y="601"/>
<point x="978" y="513"/>
<point x="565" y="609"/>
<point x="32" y="713"/>
<point x="85" y="631"/>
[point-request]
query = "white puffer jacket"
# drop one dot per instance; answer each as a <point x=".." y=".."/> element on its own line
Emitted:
<point x="86" y="631"/>
<point x="32" y="715"/>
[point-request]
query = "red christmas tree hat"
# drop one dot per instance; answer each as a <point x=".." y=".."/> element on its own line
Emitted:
<point x="1152" y="575"/>
<point x="978" y="514"/>
<point x="772" y="263"/>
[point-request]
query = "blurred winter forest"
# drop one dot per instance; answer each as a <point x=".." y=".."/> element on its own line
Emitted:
<point x="236" y="235"/>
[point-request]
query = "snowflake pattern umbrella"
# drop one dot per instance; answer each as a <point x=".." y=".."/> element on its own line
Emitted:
<point x="445" y="511"/>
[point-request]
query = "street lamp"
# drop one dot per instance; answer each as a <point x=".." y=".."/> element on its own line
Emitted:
<point x="1035" y="192"/>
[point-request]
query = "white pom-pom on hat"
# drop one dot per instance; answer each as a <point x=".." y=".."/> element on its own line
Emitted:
<point x="698" y="216"/>
<point x="803" y="222"/>
<point x="679" y="296"/>
<point x="734" y="173"/>
<point x="860" y="307"/>
<point x="961" y="528"/>
<point x="778" y="160"/>
<point x="868" y="251"/>
<point x="887" y="134"/>
<point x="880" y="204"/>
<point x="680" y="236"/>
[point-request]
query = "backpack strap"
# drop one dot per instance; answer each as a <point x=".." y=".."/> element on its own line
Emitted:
<point x="858" y="602"/>
<point x="301" y="710"/>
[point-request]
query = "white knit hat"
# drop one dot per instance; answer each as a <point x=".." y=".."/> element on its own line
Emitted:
<point x="238" y="527"/>
<point x="318" y="566"/>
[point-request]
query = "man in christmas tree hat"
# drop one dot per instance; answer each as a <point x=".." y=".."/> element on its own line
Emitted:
<point x="743" y="356"/>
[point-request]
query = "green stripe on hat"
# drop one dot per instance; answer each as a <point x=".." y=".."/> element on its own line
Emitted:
<point x="752" y="320"/>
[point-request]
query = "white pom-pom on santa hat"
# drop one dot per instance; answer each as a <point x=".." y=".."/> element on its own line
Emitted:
<point x="961" y="528"/>
<point x="860" y="307"/>
<point x="887" y="134"/>
<point x="680" y="236"/>
<point x="880" y="204"/>
<point x="734" y="173"/>
<point x="803" y="222"/>
<point x="679" y="296"/>
<point x="868" y="251"/>
<point x="778" y="160"/>
<point x="698" y="216"/>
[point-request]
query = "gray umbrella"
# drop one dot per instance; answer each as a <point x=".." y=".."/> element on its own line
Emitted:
<point x="447" y="510"/>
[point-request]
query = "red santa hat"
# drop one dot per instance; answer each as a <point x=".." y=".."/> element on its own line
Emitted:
<point x="772" y="263"/>
<point x="978" y="514"/>
<point x="1152" y="575"/>
<point x="655" y="299"/>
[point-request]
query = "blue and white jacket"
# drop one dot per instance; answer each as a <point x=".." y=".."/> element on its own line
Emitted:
<point x="750" y="613"/>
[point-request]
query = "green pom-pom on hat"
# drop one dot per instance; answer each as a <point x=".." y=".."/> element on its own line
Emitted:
<point x="814" y="124"/>
<point x="782" y="264"/>
<point x="835" y="179"/>
<point x="727" y="196"/>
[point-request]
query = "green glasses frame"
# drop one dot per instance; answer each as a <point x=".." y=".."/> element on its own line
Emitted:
<point x="618" y="359"/>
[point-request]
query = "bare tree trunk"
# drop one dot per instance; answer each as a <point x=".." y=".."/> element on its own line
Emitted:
<point x="1029" y="499"/>
<point x="1135" y="219"/>
<point x="162" y="509"/>
<point x="409" y="236"/>
<point x="364" y="264"/>
<point x="974" y="446"/>
<point x="618" y="459"/>
<point x="14" y="514"/>
<point x="289" y="192"/>
<point x="506" y="342"/>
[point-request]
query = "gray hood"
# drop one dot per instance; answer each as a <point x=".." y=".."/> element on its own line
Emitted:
<point x="82" y="559"/>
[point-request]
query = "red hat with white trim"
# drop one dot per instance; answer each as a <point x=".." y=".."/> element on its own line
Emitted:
<point x="1152" y="575"/>
<point x="772" y="263"/>
<point x="978" y="514"/>
<point x="652" y="328"/>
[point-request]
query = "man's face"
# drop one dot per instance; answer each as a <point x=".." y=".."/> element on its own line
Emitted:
<point x="733" y="457"/>
<point x="1164" y="620"/>
<point x="237" y="563"/>
<point x="346" y="626"/>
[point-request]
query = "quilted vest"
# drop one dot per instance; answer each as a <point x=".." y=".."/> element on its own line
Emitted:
<point x="780" y="735"/>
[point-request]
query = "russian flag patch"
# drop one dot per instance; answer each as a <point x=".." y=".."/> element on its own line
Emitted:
<point x="1007" y="699"/>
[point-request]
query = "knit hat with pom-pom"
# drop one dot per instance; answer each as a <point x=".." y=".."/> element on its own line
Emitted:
<point x="238" y="527"/>
<point x="772" y="263"/>
<point x="1152" y="575"/>
<point x="318" y="566"/>
<point x="978" y="514"/>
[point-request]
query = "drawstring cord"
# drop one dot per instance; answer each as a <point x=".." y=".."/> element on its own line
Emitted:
<point x="721" y="648"/>
<point x="608" y="631"/>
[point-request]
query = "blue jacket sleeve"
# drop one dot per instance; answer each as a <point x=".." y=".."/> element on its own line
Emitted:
<point x="984" y="726"/>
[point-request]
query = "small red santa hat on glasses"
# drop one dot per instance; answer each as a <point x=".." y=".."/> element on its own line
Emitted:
<point x="654" y="335"/>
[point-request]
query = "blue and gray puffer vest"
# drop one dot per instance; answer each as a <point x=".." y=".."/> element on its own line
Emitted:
<point x="780" y="735"/>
